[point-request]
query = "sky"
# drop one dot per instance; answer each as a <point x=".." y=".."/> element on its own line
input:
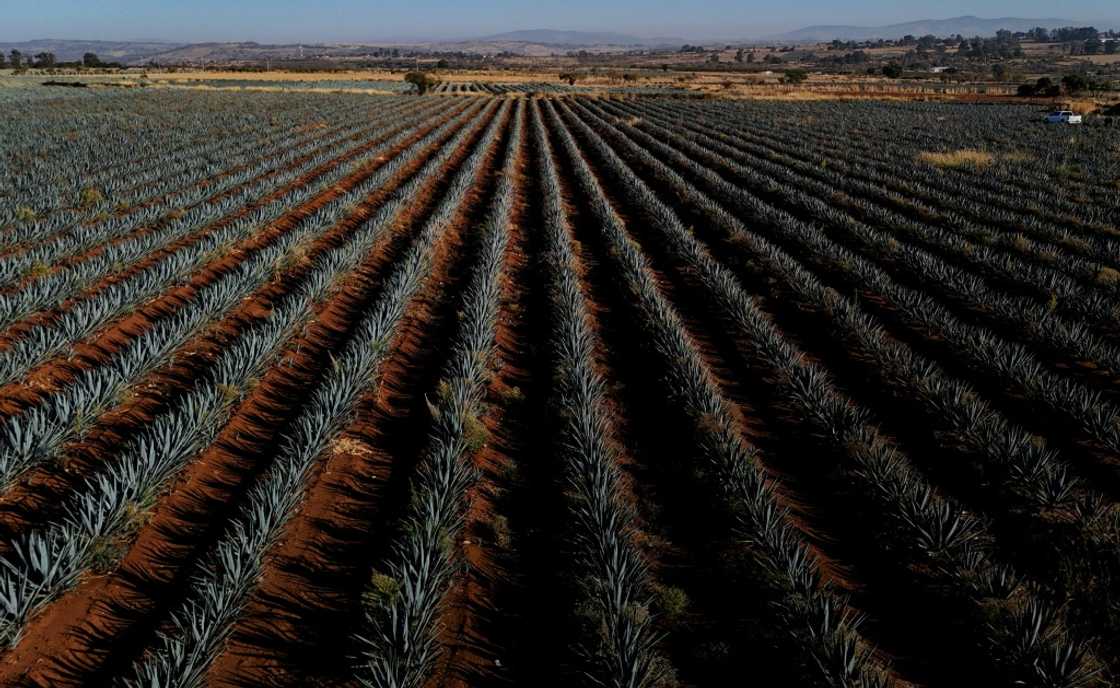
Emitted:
<point x="290" y="21"/>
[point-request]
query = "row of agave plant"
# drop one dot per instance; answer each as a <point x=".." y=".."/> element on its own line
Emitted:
<point x="36" y="253"/>
<point x="1026" y="480"/>
<point x="121" y="142"/>
<point x="1037" y="475"/>
<point x="149" y="199"/>
<point x="987" y="352"/>
<point x="818" y="617"/>
<point x="1035" y="317"/>
<point x="1029" y="642"/>
<point x="227" y="575"/>
<point x="38" y="433"/>
<point x="1041" y="235"/>
<point x="1052" y="272"/>
<point x="1019" y="182"/>
<point x="46" y="562"/>
<point x="93" y="309"/>
<point x="1055" y="260"/>
<point x="67" y="280"/>
<point x="398" y="644"/>
<point x="614" y="575"/>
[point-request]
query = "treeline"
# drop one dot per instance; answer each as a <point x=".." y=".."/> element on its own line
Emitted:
<point x="47" y="60"/>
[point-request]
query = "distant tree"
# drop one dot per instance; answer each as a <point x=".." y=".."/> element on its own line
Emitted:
<point x="892" y="70"/>
<point x="571" y="77"/>
<point x="795" y="76"/>
<point x="1039" y="34"/>
<point x="1112" y="47"/>
<point x="442" y="64"/>
<point x="1078" y="83"/>
<point x="1093" y="46"/>
<point x="750" y="57"/>
<point x="16" y="59"/>
<point x="421" y="81"/>
<point x="714" y="57"/>
<point x="3" y="60"/>
<point x="664" y="67"/>
<point x="44" y="60"/>
<point x="1000" y="72"/>
<point x="91" y="60"/>
<point x="740" y="55"/>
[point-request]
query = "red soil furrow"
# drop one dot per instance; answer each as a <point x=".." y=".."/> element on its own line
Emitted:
<point x="19" y="329"/>
<point x="230" y="135"/>
<point x="475" y="635"/>
<point x="71" y="260"/>
<point x="603" y="322"/>
<point x="202" y="183"/>
<point x="99" y="628"/>
<point x="32" y="500"/>
<point x="294" y="629"/>
<point x="49" y="376"/>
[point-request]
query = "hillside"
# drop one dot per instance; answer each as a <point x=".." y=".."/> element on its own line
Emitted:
<point x="579" y="38"/>
<point x="109" y="51"/>
<point x="965" y="26"/>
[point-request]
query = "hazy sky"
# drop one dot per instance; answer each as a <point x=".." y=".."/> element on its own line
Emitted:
<point x="357" y="20"/>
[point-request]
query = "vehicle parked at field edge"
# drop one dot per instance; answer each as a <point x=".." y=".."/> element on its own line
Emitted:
<point x="1063" y="117"/>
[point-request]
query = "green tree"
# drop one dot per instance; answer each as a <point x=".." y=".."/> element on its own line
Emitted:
<point x="17" y="59"/>
<point x="1076" y="83"/>
<point x="892" y="71"/>
<point x="421" y="81"/>
<point x="44" y="60"/>
<point x="795" y="76"/>
<point x="91" y="60"/>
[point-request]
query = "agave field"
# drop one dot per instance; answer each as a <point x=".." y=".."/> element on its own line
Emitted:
<point x="314" y="389"/>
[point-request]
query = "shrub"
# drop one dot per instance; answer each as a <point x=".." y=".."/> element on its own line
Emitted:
<point x="382" y="589"/>
<point x="90" y="197"/>
<point x="672" y="601"/>
<point x="25" y="214"/>
<point x="475" y="433"/>
<point x="422" y="81"/>
<point x="892" y="71"/>
<point x="795" y="76"/>
<point x="976" y="159"/>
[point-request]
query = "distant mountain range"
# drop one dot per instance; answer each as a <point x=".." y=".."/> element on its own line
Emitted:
<point x="534" y="42"/>
<point x="125" y="52"/>
<point x="965" y="26"/>
<point x="579" y="38"/>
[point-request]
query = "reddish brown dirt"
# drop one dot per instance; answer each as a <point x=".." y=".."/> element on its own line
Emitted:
<point x="474" y="634"/>
<point x="293" y="629"/>
<point x="49" y="376"/>
<point x="19" y="329"/>
<point x="120" y="609"/>
<point x="248" y="131"/>
<point x="34" y="498"/>
<point x="202" y="183"/>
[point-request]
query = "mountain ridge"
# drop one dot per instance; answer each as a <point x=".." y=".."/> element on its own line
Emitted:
<point x="965" y="25"/>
